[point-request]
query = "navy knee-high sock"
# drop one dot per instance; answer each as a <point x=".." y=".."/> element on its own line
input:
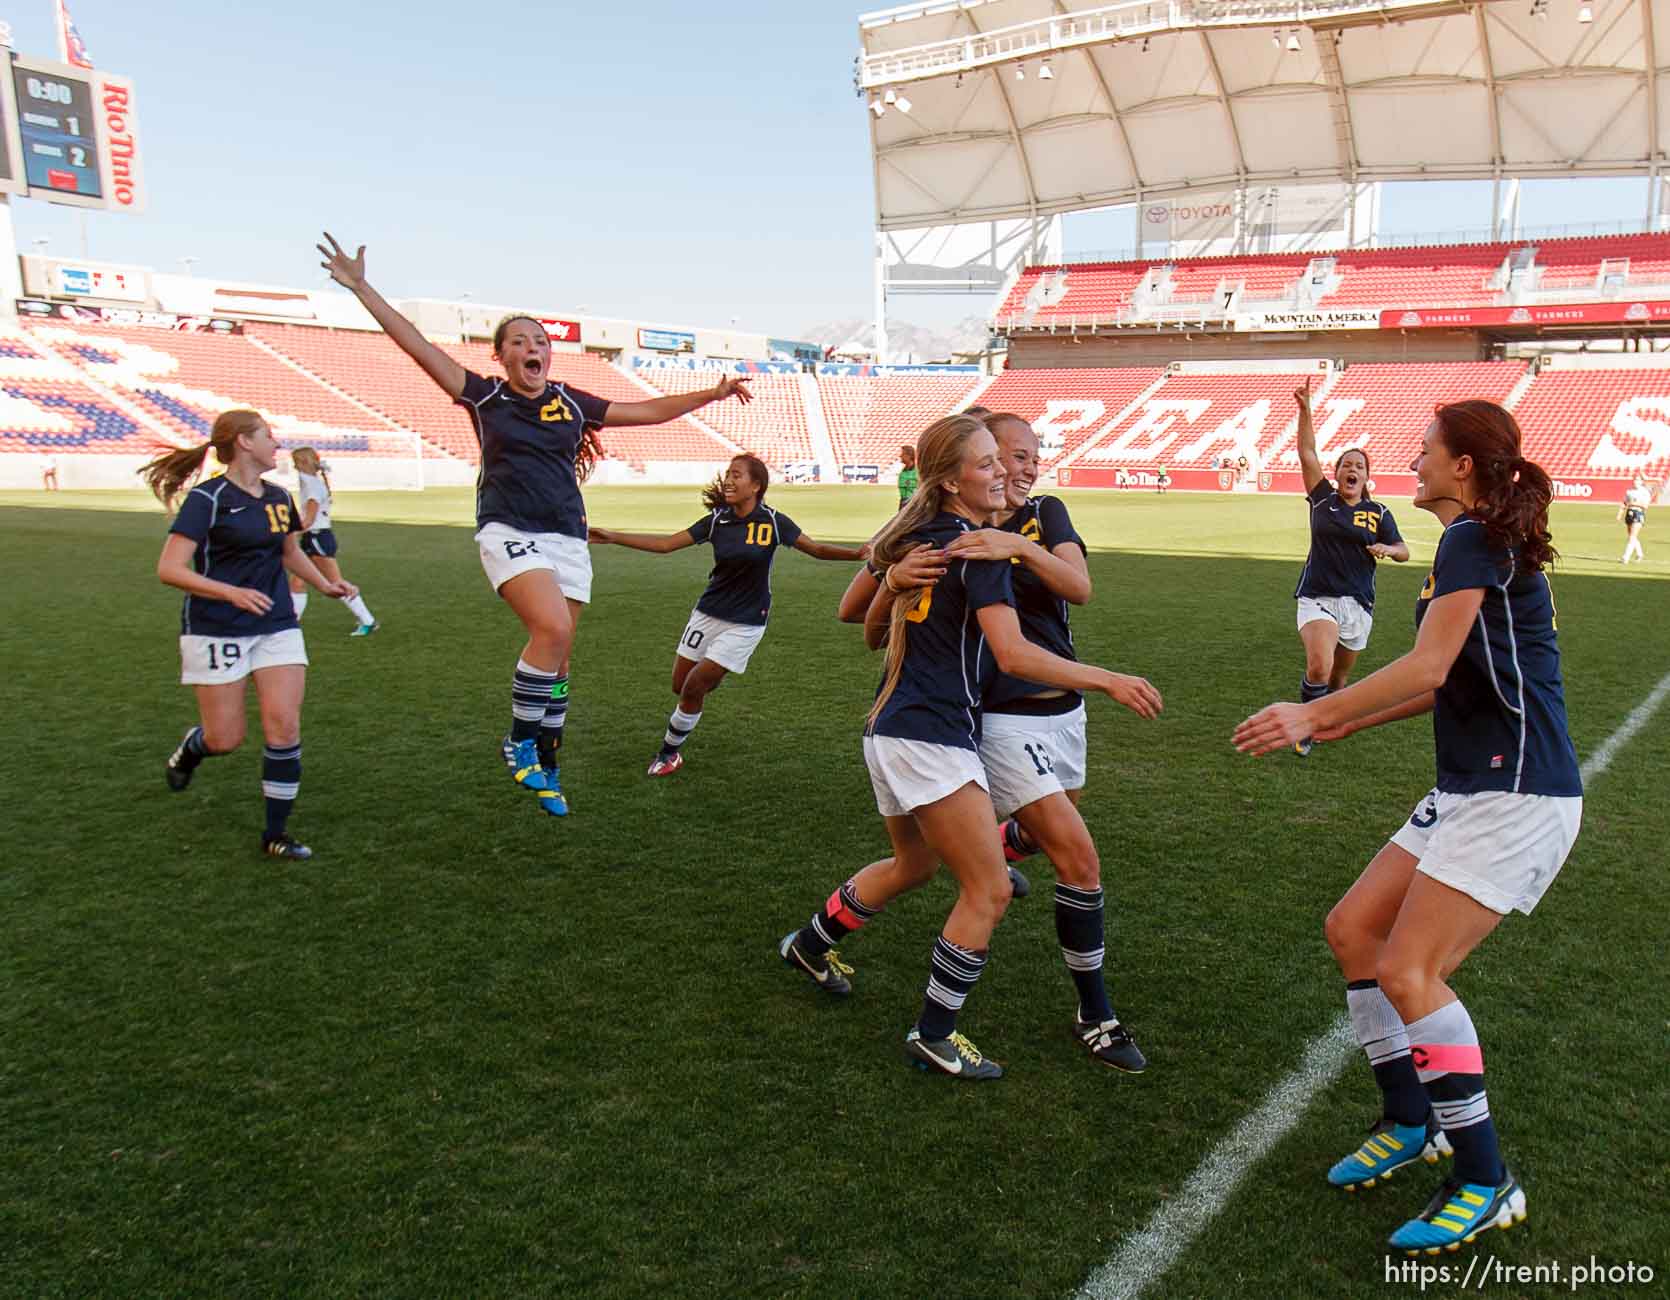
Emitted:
<point x="281" y="776"/>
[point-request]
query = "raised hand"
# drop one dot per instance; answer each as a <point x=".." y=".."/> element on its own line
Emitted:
<point x="1302" y="396"/>
<point x="728" y="386"/>
<point x="1136" y="693"/>
<point x="347" y="271"/>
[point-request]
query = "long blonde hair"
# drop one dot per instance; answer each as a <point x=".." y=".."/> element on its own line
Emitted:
<point x="169" y="473"/>
<point x="939" y="458"/>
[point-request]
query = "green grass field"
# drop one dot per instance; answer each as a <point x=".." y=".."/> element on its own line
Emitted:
<point x="470" y="1050"/>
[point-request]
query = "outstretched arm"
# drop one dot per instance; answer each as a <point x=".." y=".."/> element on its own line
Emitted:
<point x="349" y="272"/>
<point x="1384" y="696"/>
<point x="1397" y="713"/>
<point x="830" y="551"/>
<point x="655" y="543"/>
<point x="1018" y="657"/>
<point x="658" y="410"/>
<point x="1310" y="464"/>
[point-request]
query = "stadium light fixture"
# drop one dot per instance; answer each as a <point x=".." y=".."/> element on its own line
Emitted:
<point x="1020" y="72"/>
<point x="877" y="107"/>
<point x="903" y="105"/>
<point x="1585" y="13"/>
<point x="1293" y="42"/>
<point x="1044" y="72"/>
<point x="891" y="97"/>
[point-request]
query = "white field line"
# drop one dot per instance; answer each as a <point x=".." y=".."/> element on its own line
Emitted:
<point x="1144" y="1257"/>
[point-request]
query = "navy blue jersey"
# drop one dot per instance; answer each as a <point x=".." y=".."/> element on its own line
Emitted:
<point x="528" y="446"/>
<point x="1339" y="563"/>
<point x="1499" y="722"/>
<point x="240" y="541"/>
<point x="739" y="588"/>
<point x="947" y="666"/>
<point x="1043" y="614"/>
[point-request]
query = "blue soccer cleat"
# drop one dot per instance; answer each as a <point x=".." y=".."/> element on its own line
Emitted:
<point x="522" y="758"/>
<point x="365" y="629"/>
<point x="1458" y="1213"/>
<point x="551" y="798"/>
<point x="1389" y="1147"/>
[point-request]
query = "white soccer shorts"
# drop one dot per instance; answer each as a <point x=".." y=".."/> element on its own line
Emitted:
<point x="1355" y="622"/>
<point x="730" y="645"/>
<point x="1030" y="758"/>
<point x="217" y="660"/>
<point x="1501" y="849"/>
<point x="507" y="551"/>
<point x="909" y="774"/>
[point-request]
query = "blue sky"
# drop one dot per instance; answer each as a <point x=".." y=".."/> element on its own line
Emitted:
<point x="660" y="160"/>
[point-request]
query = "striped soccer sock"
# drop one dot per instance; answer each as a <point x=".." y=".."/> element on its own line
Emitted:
<point x="838" y="918"/>
<point x="1079" y="928"/>
<point x="530" y="693"/>
<point x="193" y="750"/>
<point x="554" y="719"/>
<point x="679" y="727"/>
<point x="281" y="776"/>
<point x="951" y="977"/>
<point x="1385" y="1040"/>
<point x="1309" y="690"/>
<point x="1446" y="1051"/>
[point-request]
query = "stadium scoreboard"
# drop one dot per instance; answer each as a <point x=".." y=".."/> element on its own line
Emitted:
<point x="68" y="135"/>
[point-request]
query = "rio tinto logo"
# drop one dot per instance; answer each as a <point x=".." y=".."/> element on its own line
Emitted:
<point x="118" y="125"/>
<point x="1563" y="489"/>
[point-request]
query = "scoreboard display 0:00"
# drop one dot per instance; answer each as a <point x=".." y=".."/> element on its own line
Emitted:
<point x="60" y="135"/>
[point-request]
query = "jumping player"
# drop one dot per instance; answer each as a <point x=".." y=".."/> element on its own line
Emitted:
<point x="538" y="444"/>
<point x="1488" y="840"/>
<point x="1348" y="533"/>
<point x="729" y="620"/>
<point x="228" y="549"/>
<point x="921" y="744"/>
<point x="1634" y="514"/>
<point x="319" y="539"/>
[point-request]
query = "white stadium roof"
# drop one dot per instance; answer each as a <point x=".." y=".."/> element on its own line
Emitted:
<point x="1123" y="102"/>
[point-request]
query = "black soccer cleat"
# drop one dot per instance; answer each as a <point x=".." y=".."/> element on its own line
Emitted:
<point x="284" y="845"/>
<point x="1111" y="1043"/>
<point x="177" y="772"/>
<point x="1019" y="885"/>
<point x="828" y="972"/>
<point x="955" y="1056"/>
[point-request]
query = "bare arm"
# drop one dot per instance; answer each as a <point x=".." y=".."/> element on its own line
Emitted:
<point x="1414" y="708"/>
<point x="855" y="600"/>
<point x="1310" y="464"/>
<point x="1063" y="570"/>
<point x="310" y="512"/>
<point x="1398" y="551"/>
<point x="830" y="551"/>
<point x="299" y="564"/>
<point x="1410" y="678"/>
<point x="922" y="566"/>
<point x="349" y="272"/>
<point x="655" y="543"/>
<point x="658" y="410"/>
<point x="174" y="569"/>
<point x="1018" y="657"/>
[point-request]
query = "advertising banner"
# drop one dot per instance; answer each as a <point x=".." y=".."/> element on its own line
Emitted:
<point x="666" y="340"/>
<point x="1368" y="318"/>
<point x="561" y="331"/>
<point x="71" y="281"/>
<point x="1571" y="313"/>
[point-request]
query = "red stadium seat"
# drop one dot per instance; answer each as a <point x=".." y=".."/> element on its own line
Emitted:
<point x="871" y="417"/>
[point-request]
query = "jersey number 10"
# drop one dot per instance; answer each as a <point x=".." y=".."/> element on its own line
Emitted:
<point x="761" y="537"/>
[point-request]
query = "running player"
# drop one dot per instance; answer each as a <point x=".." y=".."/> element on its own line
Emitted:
<point x="1348" y="533"/>
<point x="1488" y="840"/>
<point x="1032" y="740"/>
<point x="907" y="474"/>
<point x="319" y="539"/>
<point x="1634" y="513"/>
<point x="538" y="444"/>
<point x="921" y="744"/>
<point x="228" y="549"/>
<point x="729" y="620"/>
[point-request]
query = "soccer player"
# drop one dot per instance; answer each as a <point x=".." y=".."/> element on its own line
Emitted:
<point x="538" y="444"/>
<point x="1634" y="513"/>
<point x="729" y="620"/>
<point x="228" y="549"/>
<point x="318" y="538"/>
<point x="907" y="475"/>
<point x="1032" y="739"/>
<point x="1348" y="533"/>
<point x="921" y="744"/>
<point x="1488" y="840"/>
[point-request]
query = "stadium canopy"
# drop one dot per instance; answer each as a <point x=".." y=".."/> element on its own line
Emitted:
<point x="1002" y="109"/>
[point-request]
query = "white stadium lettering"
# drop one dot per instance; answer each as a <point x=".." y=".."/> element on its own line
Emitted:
<point x="1644" y="418"/>
<point x="1239" y="434"/>
<point x="1154" y="423"/>
<point x="1064" y="416"/>
<point x="1332" y="417"/>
